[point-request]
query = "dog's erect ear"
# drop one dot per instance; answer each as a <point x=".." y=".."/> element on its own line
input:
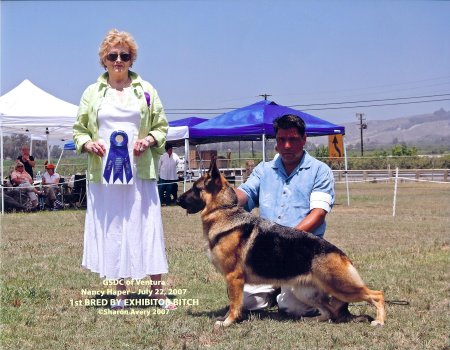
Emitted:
<point x="212" y="164"/>
<point x="213" y="169"/>
<point x="214" y="174"/>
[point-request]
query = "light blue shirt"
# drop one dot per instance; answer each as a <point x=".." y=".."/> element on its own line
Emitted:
<point x="287" y="200"/>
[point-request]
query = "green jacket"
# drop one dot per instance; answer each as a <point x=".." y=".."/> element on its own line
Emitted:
<point x="153" y="122"/>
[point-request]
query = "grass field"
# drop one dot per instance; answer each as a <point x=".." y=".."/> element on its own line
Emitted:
<point x="407" y="256"/>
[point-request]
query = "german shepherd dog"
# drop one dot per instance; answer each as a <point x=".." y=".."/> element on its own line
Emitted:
<point x="248" y="249"/>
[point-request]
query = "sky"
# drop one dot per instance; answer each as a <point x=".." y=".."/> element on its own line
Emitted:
<point x="207" y="57"/>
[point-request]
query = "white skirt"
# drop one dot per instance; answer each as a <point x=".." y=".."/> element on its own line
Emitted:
<point x="123" y="234"/>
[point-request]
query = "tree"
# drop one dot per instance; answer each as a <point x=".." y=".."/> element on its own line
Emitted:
<point x="403" y="150"/>
<point x="321" y="152"/>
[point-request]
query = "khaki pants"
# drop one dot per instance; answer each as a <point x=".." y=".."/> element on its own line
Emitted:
<point x="50" y="193"/>
<point x="30" y="192"/>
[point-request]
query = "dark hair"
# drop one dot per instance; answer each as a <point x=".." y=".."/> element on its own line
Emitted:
<point x="288" y="121"/>
<point x="167" y="146"/>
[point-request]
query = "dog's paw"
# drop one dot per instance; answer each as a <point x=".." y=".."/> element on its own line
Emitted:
<point x="222" y="324"/>
<point x="219" y="325"/>
<point x="377" y="323"/>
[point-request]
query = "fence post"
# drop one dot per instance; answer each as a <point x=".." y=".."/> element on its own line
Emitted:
<point x="395" y="192"/>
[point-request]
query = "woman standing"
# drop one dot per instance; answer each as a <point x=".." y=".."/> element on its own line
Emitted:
<point x="27" y="160"/>
<point x="122" y="126"/>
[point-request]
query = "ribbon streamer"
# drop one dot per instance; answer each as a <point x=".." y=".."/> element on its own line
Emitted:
<point x="118" y="159"/>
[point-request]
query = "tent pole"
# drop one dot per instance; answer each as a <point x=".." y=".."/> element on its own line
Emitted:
<point x="200" y="162"/>
<point x="62" y="152"/>
<point x="48" y="149"/>
<point x="264" y="147"/>
<point x="239" y="151"/>
<point x="191" y="173"/>
<point x="186" y="158"/>
<point x="346" y="171"/>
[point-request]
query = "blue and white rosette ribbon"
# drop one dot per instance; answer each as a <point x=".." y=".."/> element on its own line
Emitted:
<point x="118" y="159"/>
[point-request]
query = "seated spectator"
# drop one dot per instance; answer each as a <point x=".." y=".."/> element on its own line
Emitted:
<point x="19" y="177"/>
<point x="50" y="181"/>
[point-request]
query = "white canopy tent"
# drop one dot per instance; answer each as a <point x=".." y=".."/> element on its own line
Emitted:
<point x="27" y="109"/>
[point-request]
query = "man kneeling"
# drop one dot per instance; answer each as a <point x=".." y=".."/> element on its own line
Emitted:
<point x="294" y="190"/>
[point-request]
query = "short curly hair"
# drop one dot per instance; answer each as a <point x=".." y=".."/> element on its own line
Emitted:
<point x="114" y="38"/>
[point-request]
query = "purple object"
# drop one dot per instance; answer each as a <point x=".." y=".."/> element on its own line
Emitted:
<point x="147" y="97"/>
<point x="190" y="121"/>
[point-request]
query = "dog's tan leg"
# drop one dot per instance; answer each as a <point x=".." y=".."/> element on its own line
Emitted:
<point x="358" y="291"/>
<point x="339" y="278"/>
<point x="376" y="298"/>
<point x="235" y="285"/>
<point x="341" y="313"/>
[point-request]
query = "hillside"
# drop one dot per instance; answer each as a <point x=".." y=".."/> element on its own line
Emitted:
<point x="420" y="131"/>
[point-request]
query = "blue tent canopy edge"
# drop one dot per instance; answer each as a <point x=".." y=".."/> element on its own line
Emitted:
<point x="251" y="122"/>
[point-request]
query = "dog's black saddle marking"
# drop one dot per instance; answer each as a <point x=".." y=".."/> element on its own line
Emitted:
<point x="246" y="232"/>
<point x="281" y="252"/>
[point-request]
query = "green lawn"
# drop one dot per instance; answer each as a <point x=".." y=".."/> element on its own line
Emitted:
<point x="407" y="256"/>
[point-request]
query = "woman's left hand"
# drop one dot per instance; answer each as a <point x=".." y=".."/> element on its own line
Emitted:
<point x="141" y="145"/>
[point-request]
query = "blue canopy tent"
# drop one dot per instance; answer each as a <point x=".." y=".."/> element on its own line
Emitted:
<point x="254" y="122"/>
<point x="69" y="146"/>
<point x="189" y="122"/>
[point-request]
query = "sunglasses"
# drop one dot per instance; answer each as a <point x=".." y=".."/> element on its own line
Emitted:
<point x="124" y="57"/>
<point x="20" y="166"/>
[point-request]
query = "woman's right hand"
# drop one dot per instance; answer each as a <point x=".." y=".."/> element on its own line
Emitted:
<point x="95" y="147"/>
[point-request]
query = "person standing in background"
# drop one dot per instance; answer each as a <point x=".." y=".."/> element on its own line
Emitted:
<point x="168" y="176"/>
<point x="27" y="160"/>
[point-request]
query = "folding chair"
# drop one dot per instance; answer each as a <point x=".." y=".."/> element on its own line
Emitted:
<point x="79" y="191"/>
<point x="62" y="193"/>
